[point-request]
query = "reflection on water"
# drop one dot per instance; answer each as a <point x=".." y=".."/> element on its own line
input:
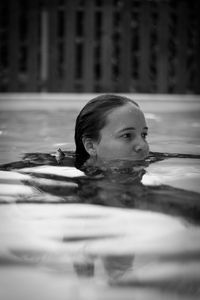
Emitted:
<point x="38" y="178"/>
<point x="110" y="248"/>
<point x="113" y="233"/>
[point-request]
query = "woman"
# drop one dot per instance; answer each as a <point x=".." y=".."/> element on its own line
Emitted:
<point x="110" y="127"/>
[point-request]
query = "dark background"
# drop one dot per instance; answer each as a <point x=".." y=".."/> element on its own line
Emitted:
<point x="143" y="46"/>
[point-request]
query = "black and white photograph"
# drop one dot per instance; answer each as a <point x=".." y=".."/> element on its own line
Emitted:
<point x="99" y="150"/>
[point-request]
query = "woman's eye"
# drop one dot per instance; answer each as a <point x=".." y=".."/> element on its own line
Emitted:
<point x="144" y="135"/>
<point x="126" y="136"/>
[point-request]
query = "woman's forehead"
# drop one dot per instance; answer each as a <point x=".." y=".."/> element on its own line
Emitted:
<point x="128" y="111"/>
<point x="124" y="117"/>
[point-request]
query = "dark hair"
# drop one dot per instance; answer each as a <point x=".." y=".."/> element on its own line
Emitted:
<point x="92" y="118"/>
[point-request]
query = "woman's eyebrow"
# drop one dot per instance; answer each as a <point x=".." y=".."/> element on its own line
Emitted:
<point x="126" y="128"/>
<point x="130" y="128"/>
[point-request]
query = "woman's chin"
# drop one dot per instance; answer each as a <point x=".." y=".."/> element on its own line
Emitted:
<point x="122" y="162"/>
<point x="125" y="161"/>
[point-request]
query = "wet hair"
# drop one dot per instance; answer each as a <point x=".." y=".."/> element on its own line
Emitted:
<point x="92" y="118"/>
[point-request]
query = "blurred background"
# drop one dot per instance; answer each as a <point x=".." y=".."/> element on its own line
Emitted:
<point x="75" y="46"/>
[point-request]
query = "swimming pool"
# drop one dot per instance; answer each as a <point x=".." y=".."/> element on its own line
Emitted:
<point x="68" y="236"/>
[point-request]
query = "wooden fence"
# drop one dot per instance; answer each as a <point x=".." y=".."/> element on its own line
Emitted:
<point x="148" y="46"/>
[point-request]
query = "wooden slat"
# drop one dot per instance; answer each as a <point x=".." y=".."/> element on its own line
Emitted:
<point x="13" y="56"/>
<point x="88" y="59"/>
<point x="1" y="68"/>
<point x="69" y="59"/>
<point x="197" y="50"/>
<point x="107" y="14"/>
<point x="144" y="48"/>
<point x="182" y="35"/>
<point x="1" y="12"/>
<point x="53" y="78"/>
<point x="125" y="62"/>
<point x="162" y="59"/>
<point x="44" y="51"/>
<point x="32" y="46"/>
<point x="4" y="63"/>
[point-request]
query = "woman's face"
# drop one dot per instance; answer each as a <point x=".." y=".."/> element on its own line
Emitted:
<point x="124" y="135"/>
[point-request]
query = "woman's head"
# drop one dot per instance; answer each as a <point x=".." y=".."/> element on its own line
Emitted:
<point x="110" y="127"/>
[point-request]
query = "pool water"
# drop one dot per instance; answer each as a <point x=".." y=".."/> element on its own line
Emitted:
<point x="132" y="233"/>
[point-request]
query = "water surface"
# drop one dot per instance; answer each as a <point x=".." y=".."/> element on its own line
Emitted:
<point x="127" y="234"/>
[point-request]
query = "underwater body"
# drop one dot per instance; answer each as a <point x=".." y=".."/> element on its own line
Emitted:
<point x="122" y="232"/>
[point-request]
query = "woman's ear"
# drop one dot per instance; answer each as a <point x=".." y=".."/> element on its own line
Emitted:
<point x="89" y="145"/>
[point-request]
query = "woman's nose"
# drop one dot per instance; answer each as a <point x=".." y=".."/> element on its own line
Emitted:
<point x="141" y="147"/>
